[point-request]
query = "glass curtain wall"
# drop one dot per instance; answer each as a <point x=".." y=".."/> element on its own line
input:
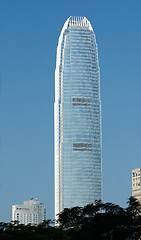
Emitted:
<point x="77" y="117"/>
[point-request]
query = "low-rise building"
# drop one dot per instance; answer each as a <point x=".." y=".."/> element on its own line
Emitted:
<point x="136" y="183"/>
<point x="31" y="212"/>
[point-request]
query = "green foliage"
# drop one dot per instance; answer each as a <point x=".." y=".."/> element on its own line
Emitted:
<point x="21" y="232"/>
<point x="98" y="221"/>
<point x="103" y="221"/>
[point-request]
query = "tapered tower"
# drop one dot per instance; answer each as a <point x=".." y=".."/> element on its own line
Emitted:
<point x="77" y="111"/>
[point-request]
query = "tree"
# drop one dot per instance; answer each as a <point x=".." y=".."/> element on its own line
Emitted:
<point x="133" y="212"/>
<point x="102" y="221"/>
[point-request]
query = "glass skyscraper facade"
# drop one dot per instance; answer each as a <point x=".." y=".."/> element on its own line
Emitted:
<point x="77" y="111"/>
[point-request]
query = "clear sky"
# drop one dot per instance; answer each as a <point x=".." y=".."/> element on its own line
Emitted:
<point x="29" y="31"/>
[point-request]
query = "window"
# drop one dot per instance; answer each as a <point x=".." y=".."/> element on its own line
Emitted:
<point x="81" y="101"/>
<point x="82" y="147"/>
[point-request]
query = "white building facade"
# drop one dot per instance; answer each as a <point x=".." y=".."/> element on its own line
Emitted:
<point x="31" y="212"/>
<point x="77" y="111"/>
<point x="136" y="183"/>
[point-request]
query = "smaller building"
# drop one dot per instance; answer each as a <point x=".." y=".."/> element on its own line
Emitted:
<point x="31" y="212"/>
<point x="136" y="183"/>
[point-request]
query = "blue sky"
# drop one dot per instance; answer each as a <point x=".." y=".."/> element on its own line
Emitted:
<point x="29" y="31"/>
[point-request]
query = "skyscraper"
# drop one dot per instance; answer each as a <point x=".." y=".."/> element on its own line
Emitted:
<point x="77" y="116"/>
